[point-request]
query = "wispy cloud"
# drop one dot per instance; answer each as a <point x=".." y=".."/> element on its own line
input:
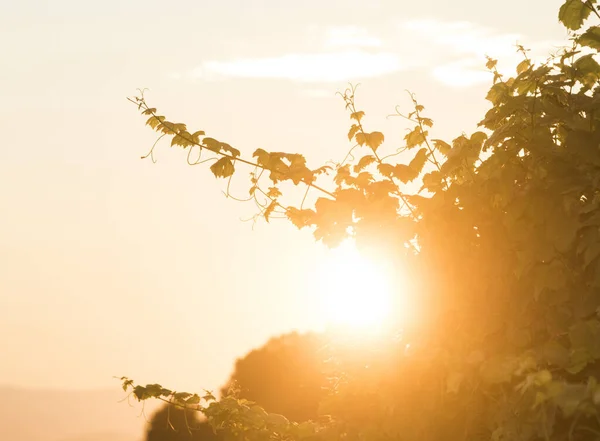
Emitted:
<point x="309" y="67"/>
<point x="451" y="52"/>
<point x="463" y="47"/>
<point x="350" y="36"/>
<point x="462" y="73"/>
<point x="317" y="93"/>
<point x="339" y="53"/>
<point x="463" y="37"/>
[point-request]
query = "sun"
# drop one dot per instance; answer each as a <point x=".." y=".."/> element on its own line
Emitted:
<point x="355" y="293"/>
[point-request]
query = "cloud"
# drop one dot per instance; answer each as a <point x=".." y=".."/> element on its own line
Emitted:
<point x="316" y="93"/>
<point x="454" y="53"/>
<point x="462" y="73"/>
<point x="462" y="48"/>
<point x="463" y="37"/>
<point x="344" y="53"/>
<point x="308" y="67"/>
<point x="350" y="36"/>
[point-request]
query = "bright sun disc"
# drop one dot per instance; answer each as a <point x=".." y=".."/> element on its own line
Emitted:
<point x="355" y="292"/>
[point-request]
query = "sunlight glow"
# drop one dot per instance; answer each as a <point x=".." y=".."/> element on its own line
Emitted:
<point x="355" y="292"/>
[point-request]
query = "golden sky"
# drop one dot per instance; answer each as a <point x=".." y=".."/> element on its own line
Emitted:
<point x="110" y="265"/>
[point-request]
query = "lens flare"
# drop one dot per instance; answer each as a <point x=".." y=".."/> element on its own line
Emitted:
<point x="355" y="292"/>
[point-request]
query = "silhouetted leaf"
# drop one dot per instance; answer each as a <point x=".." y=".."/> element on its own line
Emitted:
<point x="183" y="139"/>
<point x="363" y="162"/>
<point x="415" y="138"/>
<point x="441" y="146"/>
<point x="353" y="130"/>
<point x="426" y="121"/>
<point x="372" y="140"/>
<point x="228" y="149"/>
<point x="300" y="218"/>
<point x="155" y="121"/>
<point x="269" y="210"/>
<point x="591" y="38"/>
<point x="223" y="168"/>
<point x="357" y="115"/>
<point x="523" y="66"/>
<point x="274" y="192"/>
<point x="418" y="161"/>
<point x="573" y="13"/>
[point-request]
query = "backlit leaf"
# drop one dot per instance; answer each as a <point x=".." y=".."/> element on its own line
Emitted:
<point x="183" y="139"/>
<point x="269" y="210"/>
<point x="353" y="130"/>
<point x="223" y="168"/>
<point x="404" y="173"/>
<point x="196" y="136"/>
<point x="363" y="162"/>
<point x="491" y="63"/>
<point x="442" y="146"/>
<point x="591" y="38"/>
<point x="573" y="13"/>
<point x="262" y="157"/>
<point x="300" y="218"/>
<point x="426" y="122"/>
<point x="357" y="115"/>
<point x="372" y="140"/>
<point x="274" y="192"/>
<point x="386" y="169"/>
<point x="523" y="66"/>
<point x="154" y="121"/>
<point x="498" y="93"/>
<point x="212" y="144"/>
<point x="418" y="161"/>
<point x="432" y="181"/>
<point x="228" y="149"/>
<point x="415" y="138"/>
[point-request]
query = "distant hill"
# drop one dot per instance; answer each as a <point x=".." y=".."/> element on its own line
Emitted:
<point x="61" y="415"/>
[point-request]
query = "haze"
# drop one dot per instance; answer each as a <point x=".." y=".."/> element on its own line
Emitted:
<point x="110" y="265"/>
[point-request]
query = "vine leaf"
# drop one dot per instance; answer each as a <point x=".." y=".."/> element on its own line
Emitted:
<point x="353" y="130"/>
<point x="269" y="210"/>
<point x="573" y="13"/>
<point x="372" y="140"/>
<point x="357" y="115"/>
<point x="418" y="162"/>
<point x="591" y="38"/>
<point x="415" y="138"/>
<point x="155" y="121"/>
<point x="363" y="162"/>
<point x="523" y="66"/>
<point x="223" y="168"/>
<point x="442" y="146"/>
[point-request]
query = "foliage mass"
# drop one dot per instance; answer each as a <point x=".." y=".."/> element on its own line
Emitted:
<point x="508" y="221"/>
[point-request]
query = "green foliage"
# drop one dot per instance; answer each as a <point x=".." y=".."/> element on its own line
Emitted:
<point x="503" y="241"/>
<point x="574" y="12"/>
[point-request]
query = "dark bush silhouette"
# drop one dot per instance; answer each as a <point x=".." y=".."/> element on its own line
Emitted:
<point x="284" y="376"/>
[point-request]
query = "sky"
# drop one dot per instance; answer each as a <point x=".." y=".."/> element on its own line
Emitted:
<point x="112" y="265"/>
